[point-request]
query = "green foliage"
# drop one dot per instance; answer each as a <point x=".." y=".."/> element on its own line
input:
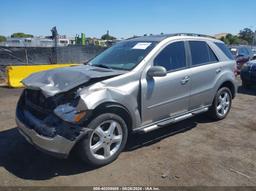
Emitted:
<point x="107" y="37"/>
<point x="21" y="35"/>
<point x="231" y="39"/>
<point x="2" y="38"/>
<point x="247" y="35"/>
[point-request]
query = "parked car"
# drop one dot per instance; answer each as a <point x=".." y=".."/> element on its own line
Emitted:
<point x="137" y="85"/>
<point x="248" y="74"/>
<point x="242" y="55"/>
<point x="254" y="53"/>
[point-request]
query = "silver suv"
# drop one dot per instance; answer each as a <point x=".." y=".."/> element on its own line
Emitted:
<point x="137" y="85"/>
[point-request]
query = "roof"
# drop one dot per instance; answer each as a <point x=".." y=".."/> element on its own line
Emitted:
<point x="158" y="38"/>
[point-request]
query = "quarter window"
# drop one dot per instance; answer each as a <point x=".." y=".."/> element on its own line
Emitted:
<point x="172" y="57"/>
<point x="201" y="53"/>
<point x="226" y="51"/>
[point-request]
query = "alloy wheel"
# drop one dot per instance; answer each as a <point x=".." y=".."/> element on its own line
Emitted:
<point x="223" y="104"/>
<point x="106" y="139"/>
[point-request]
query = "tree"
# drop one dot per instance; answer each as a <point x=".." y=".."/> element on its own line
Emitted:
<point x="247" y="35"/>
<point x="2" y="38"/>
<point x="107" y="37"/>
<point x="231" y="39"/>
<point x="21" y="35"/>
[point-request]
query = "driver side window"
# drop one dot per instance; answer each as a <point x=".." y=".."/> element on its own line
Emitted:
<point x="172" y="57"/>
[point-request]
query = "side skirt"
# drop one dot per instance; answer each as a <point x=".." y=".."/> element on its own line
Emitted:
<point x="171" y="120"/>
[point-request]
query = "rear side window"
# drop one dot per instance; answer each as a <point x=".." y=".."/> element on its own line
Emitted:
<point x="246" y="51"/>
<point x="242" y="51"/>
<point x="172" y="57"/>
<point x="201" y="53"/>
<point x="226" y="51"/>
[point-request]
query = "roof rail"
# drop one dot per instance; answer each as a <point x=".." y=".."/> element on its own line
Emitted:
<point x="192" y="34"/>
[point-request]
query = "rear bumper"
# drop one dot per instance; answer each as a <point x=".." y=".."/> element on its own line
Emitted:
<point x="57" y="146"/>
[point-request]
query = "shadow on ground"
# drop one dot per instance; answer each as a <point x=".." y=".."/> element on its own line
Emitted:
<point x="24" y="161"/>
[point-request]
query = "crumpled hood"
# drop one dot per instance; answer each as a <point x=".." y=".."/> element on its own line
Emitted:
<point x="55" y="81"/>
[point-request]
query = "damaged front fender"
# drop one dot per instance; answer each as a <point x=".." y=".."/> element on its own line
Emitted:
<point x="100" y="93"/>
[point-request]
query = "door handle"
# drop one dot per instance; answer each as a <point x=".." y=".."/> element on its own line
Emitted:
<point x="185" y="80"/>
<point x="218" y="70"/>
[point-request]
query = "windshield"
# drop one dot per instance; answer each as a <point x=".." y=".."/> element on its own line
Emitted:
<point x="124" y="55"/>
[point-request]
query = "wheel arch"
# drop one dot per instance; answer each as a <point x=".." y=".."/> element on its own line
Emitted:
<point x="229" y="85"/>
<point x="116" y="108"/>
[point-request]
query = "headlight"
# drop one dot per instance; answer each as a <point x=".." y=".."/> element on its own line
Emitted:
<point x="69" y="113"/>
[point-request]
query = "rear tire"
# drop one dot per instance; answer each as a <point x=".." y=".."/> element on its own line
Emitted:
<point x="221" y="104"/>
<point x="105" y="142"/>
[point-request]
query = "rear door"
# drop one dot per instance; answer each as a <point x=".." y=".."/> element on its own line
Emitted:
<point x="204" y="71"/>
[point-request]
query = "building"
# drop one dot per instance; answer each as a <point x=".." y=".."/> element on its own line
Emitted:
<point x="36" y="42"/>
<point x="220" y="35"/>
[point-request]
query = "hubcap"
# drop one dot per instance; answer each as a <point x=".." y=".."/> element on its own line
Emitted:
<point x="223" y="103"/>
<point x="106" y="139"/>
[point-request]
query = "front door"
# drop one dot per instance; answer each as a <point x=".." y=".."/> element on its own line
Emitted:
<point x="166" y="96"/>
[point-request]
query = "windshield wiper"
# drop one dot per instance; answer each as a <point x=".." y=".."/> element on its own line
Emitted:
<point x="102" y="66"/>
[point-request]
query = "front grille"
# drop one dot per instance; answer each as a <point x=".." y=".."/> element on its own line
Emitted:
<point x="41" y="108"/>
<point x="36" y="97"/>
<point x="38" y="104"/>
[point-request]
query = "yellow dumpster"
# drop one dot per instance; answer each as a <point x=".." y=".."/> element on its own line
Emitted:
<point x="15" y="74"/>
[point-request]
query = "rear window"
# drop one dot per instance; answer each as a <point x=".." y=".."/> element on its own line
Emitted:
<point x="225" y="50"/>
<point x="201" y="53"/>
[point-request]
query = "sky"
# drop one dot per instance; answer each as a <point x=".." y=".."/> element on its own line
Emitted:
<point x="125" y="18"/>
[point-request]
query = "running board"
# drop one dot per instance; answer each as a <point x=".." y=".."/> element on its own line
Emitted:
<point x="150" y="128"/>
<point x="200" y="111"/>
<point x="173" y="120"/>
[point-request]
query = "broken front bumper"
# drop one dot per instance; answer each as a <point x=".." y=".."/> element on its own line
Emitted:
<point x="57" y="146"/>
<point x="45" y="130"/>
<point x="38" y="133"/>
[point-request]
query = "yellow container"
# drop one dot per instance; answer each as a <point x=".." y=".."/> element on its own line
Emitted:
<point x="15" y="74"/>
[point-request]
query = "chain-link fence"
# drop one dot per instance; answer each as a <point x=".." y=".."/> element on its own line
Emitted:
<point x="45" y="55"/>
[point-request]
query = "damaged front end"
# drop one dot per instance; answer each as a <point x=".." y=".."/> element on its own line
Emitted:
<point x="50" y="113"/>
<point x="49" y="123"/>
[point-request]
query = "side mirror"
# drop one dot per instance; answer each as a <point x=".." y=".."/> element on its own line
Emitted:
<point x="156" y="71"/>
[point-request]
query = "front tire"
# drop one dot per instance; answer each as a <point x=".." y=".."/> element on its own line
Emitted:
<point x="221" y="104"/>
<point x="106" y="141"/>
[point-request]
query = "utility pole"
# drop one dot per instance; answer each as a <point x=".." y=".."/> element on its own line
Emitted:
<point x="254" y="38"/>
<point x="54" y="49"/>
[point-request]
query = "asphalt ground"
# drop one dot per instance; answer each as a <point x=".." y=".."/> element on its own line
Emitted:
<point x="197" y="151"/>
